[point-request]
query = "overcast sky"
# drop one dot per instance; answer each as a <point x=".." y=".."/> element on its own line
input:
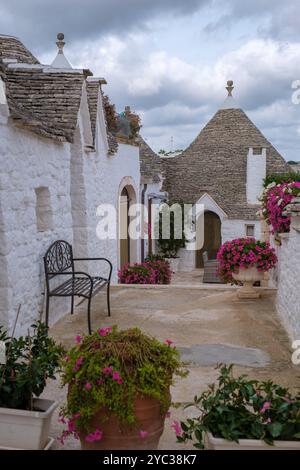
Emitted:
<point x="170" y="59"/>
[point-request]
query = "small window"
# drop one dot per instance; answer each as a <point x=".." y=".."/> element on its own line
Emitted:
<point x="43" y="210"/>
<point x="250" y="230"/>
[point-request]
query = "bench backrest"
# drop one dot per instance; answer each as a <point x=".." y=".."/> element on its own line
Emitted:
<point x="58" y="259"/>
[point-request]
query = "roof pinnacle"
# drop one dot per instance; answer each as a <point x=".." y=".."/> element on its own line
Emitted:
<point x="229" y="87"/>
<point x="60" y="42"/>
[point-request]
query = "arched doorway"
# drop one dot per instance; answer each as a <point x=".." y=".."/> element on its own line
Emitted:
<point x="128" y="246"/>
<point x="124" y="225"/>
<point x="212" y="237"/>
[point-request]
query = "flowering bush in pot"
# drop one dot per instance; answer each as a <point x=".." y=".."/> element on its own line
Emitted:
<point x="151" y="271"/>
<point x="274" y="199"/>
<point x="118" y="389"/>
<point x="30" y="361"/>
<point x="243" y="413"/>
<point x="245" y="253"/>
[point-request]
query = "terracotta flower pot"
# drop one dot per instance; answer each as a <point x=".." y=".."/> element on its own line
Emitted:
<point x="248" y="276"/>
<point x="149" y="420"/>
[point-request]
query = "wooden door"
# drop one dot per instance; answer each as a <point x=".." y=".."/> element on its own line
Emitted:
<point x="212" y="237"/>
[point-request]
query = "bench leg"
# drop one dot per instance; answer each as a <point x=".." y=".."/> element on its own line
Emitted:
<point x="47" y="309"/>
<point x="89" y="315"/>
<point x="72" y="304"/>
<point x="108" y="299"/>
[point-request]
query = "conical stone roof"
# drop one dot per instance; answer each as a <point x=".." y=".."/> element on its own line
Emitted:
<point x="216" y="163"/>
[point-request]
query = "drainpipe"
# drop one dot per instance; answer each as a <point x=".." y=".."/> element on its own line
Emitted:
<point x="142" y="223"/>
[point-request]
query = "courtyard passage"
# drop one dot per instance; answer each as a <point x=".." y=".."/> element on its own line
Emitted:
<point x="209" y="325"/>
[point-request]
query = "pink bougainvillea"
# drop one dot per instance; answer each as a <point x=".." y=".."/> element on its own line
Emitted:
<point x="149" y="272"/>
<point x="245" y="253"/>
<point x="274" y="200"/>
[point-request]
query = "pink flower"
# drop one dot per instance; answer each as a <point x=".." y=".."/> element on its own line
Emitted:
<point x="116" y="376"/>
<point x="100" y="382"/>
<point x="102" y="331"/>
<point x="265" y="406"/>
<point x="78" y="363"/>
<point x="78" y="339"/>
<point x="168" y="342"/>
<point x="143" y="434"/>
<point x="105" y="331"/>
<point x="66" y="358"/>
<point x="168" y="414"/>
<point x="88" y="386"/>
<point x="94" y="436"/>
<point x="61" y="420"/>
<point x="288" y="400"/>
<point x="177" y="428"/>
<point x="107" y="370"/>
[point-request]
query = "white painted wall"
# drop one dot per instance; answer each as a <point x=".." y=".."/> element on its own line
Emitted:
<point x="28" y="162"/>
<point x="78" y="181"/>
<point x="231" y="229"/>
<point x="288" y="275"/>
<point x="256" y="172"/>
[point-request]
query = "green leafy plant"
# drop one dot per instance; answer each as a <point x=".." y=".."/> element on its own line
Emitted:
<point x="109" y="369"/>
<point x="168" y="246"/>
<point x="279" y="179"/>
<point x="30" y="361"/>
<point x="240" y="408"/>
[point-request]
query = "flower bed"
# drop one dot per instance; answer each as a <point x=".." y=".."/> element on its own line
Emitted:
<point x="274" y="200"/>
<point x="245" y="253"/>
<point x="152" y="271"/>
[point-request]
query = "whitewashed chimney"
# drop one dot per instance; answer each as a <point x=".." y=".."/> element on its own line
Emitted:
<point x="256" y="172"/>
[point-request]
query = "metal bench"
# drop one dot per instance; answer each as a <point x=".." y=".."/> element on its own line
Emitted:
<point x="210" y="270"/>
<point x="59" y="261"/>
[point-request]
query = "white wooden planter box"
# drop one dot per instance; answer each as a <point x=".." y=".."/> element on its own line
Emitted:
<point x="217" y="443"/>
<point x="22" y="429"/>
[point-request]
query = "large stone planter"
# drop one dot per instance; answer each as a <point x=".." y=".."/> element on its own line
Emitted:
<point x="217" y="443"/>
<point x="148" y="418"/>
<point x="29" y="430"/>
<point x="248" y="276"/>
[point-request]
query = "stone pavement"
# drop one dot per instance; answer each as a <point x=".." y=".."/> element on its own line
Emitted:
<point x="210" y="325"/>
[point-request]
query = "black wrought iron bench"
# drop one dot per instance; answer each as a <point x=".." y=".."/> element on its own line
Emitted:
<point x="59" y="261"/>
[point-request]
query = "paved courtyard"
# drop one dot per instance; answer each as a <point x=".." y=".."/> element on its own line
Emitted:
<point x="208" y="324"/>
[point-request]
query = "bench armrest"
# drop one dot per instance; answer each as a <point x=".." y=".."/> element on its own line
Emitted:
<point x="97" y="259"/>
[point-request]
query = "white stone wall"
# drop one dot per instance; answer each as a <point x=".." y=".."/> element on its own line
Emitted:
<point x="78" y="181"/>
<point x="231" y="229"/>
<point x="28" y="162"/>
<point x="288" y="282"/>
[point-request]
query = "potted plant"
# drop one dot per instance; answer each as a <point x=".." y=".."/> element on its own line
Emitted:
<point x="239" y="413"/>
<point x="30" y="360"/>
<point x="244" y="260"/>
<point x="168" y="246"/>
<point x="153" y="270"/>
<point x="118" y="389"/>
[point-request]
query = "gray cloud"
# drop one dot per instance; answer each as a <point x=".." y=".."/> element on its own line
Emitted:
<point x="38" y="21"/>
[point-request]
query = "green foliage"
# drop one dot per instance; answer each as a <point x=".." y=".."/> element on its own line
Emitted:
<point x="240" y="408"/>
<point x="155" y="257"/>
<point x="279" y="179"/>
<point x="117" y="366"/>
<point x="30" y="361"/>
<point x="168" y="247"/>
